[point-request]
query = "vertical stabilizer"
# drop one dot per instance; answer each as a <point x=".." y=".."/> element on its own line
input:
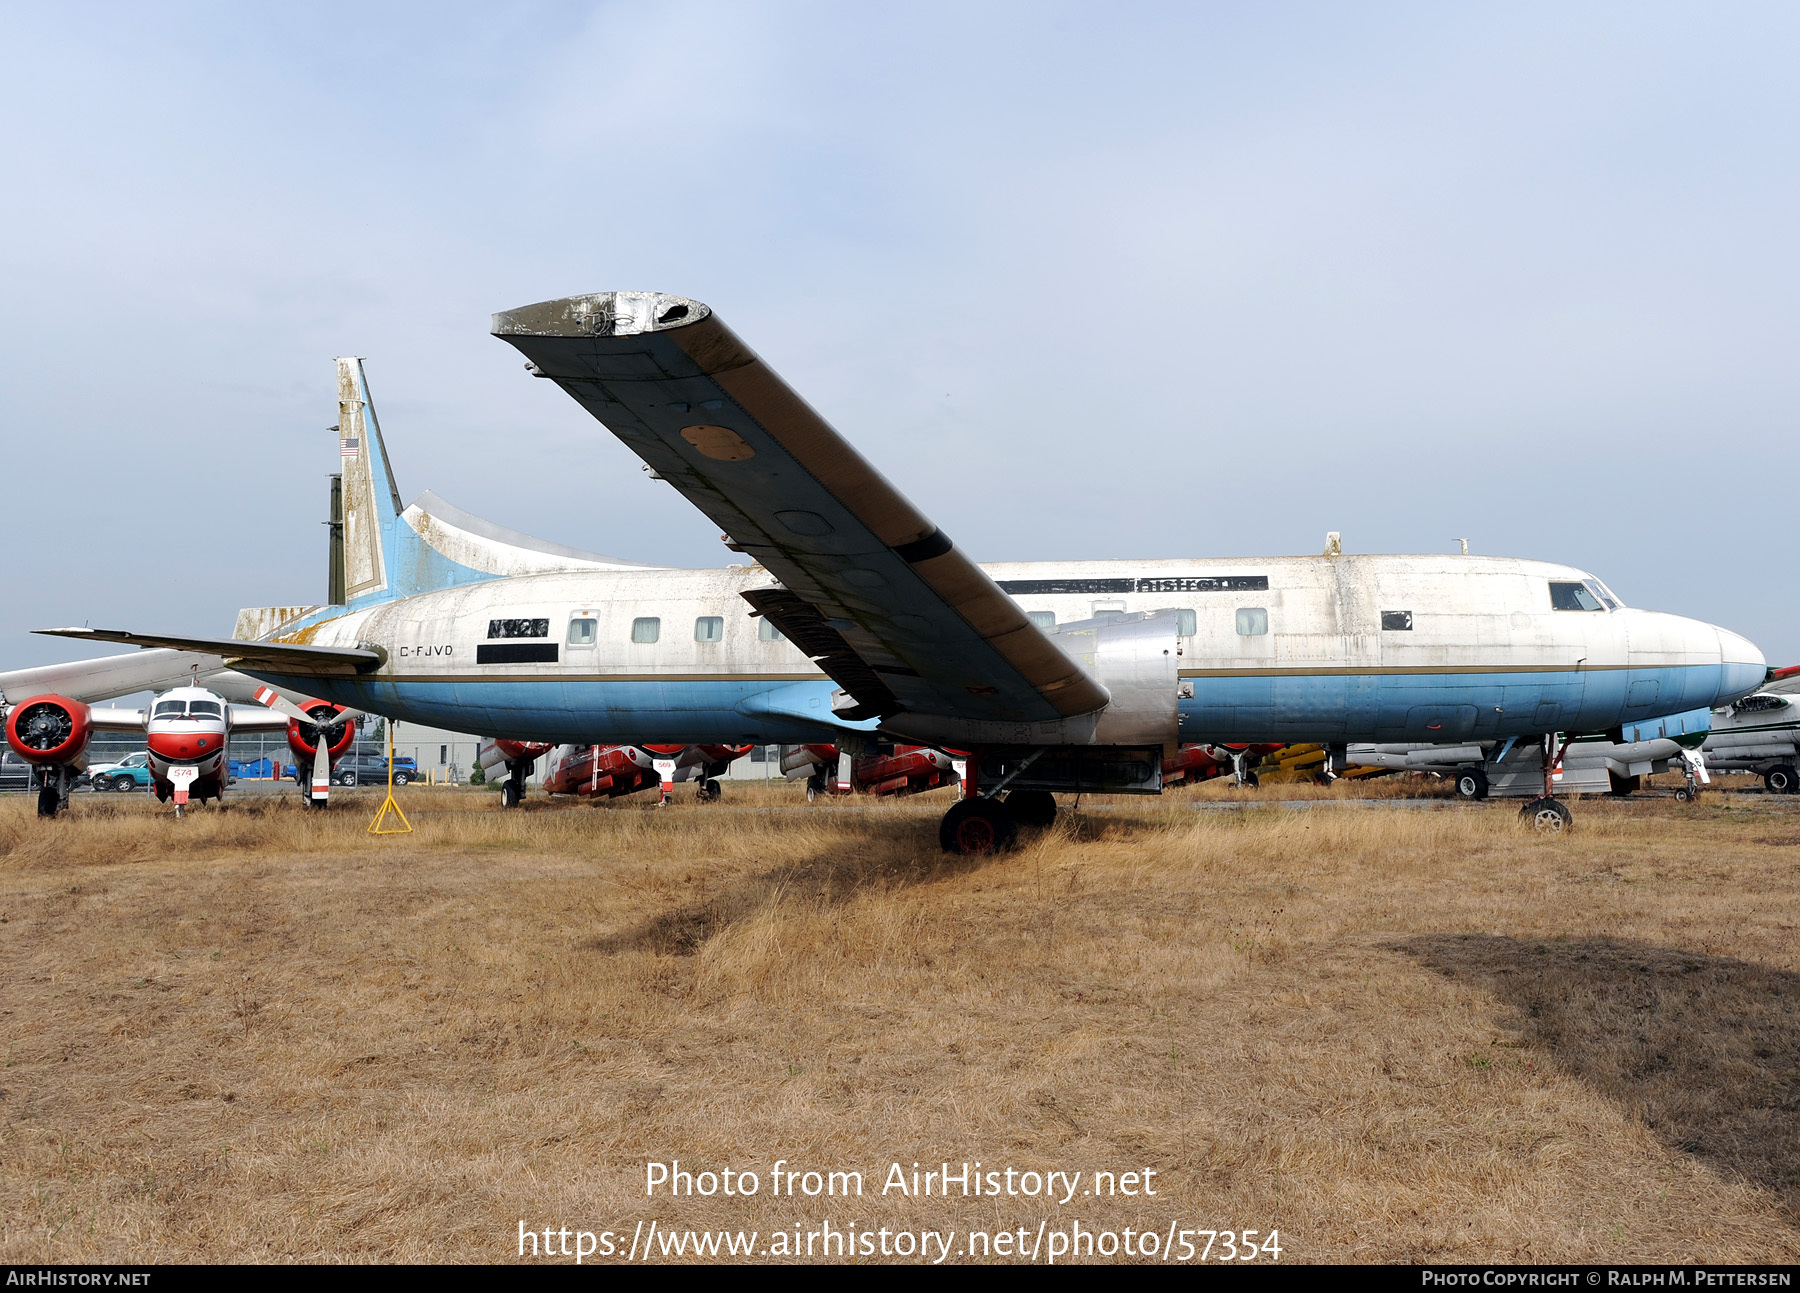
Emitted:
<point x="371" y="503"/>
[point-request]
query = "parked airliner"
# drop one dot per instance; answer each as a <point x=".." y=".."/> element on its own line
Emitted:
<point x="853" y="618"/>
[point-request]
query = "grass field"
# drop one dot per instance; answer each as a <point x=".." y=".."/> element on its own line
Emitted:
<point x="1388" y="1034"/>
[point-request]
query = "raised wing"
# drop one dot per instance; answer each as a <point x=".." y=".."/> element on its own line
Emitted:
<point x="283" y="657"/>
<point x="893" y="611"/>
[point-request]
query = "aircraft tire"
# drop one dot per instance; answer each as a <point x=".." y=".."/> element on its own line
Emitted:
<point x="1782" y="779"/>
<point x="815" y="787"/>
<point x="1031" y="807"/>
<point x="709" y="792"/>
<point x="1251" y="780"/>
<point x="49" y="801"/>
<point x="977" y="828"/>
<point x="1686" y="794"/>
<point x="1547" y="816"/>
<point x="1472" y="783"/>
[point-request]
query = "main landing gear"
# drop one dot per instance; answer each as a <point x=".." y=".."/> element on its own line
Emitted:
<point x="980" y="823"/>
<point x="512" y="790"/>
<point x="1547" y="814"/>
<point x="53" y="790"/>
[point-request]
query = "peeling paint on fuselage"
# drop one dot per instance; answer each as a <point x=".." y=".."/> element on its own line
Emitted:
<point x="1485" y="654"/>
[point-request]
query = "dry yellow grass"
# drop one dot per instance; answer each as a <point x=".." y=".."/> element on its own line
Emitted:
<point x="1391" y="1034"/>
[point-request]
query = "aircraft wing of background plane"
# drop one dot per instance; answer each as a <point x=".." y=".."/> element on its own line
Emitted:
<point x="102" y="679"/>
<point x="288" y="658"/>
<point x="872" y="590"/>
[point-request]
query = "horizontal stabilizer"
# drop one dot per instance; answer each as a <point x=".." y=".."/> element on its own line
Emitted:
<point x="278" y="657"/>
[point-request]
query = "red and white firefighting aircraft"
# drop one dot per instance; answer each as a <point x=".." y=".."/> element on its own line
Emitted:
<point x="1195" y="763"/>
<point x="187" y="727"/>
<point x="885" y="770"/>
<point x="608" y="770"/>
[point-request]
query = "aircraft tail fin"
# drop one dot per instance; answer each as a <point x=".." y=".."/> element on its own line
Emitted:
<point x="370" y="502"/>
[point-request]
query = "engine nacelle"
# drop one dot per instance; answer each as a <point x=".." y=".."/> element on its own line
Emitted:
<point x="303" y="738"/>
<point x="49" y="730"/>
<point x="496" y="754"/>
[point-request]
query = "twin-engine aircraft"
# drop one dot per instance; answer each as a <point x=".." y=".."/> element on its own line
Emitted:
<point x="187" y="726"/>
<point x="856" y="620"/>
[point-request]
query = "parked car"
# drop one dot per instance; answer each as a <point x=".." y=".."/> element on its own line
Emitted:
<point x="130" y="773"/>
<point x="372" y="768"/>
<point x="15" y="773"/>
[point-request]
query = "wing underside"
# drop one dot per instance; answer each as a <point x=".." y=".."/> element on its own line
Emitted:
<point x="890" y="607"/>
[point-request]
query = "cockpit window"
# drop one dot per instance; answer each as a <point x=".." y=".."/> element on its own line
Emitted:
<point x="1573" y="597"/>
<point x="170" y="709"/>
<point x="1760" y="704"/>
<point x="207" y="707"/>
<point x="1601" y="591"/>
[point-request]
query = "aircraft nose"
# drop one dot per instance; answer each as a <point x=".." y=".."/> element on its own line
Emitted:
<point x="1741" y="667"/>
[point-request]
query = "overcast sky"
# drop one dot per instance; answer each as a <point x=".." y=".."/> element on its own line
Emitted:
<point x="1085" y="281"/>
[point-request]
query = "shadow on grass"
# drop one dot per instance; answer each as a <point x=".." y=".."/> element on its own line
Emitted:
<point x="1704" y="1049"/>
<point x="908" y="856"/>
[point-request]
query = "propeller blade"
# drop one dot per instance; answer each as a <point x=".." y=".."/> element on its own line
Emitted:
<point x="321" y="773"/>
<point x="274" y="700"/>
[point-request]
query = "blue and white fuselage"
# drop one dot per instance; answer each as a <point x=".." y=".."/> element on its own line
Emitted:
<point x="1327" y="649"/>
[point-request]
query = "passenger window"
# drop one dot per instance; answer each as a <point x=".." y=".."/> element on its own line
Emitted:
<point x="1187" y="623"/>
<point x="1252" y="621"/>
<point x="582" y="632"/>
<point x="1396" y="620"/>
<point x="646" y="629"/>
<point x="709" y="628"/>
<point x="1572" y="597"/>
<point x="518" y="628"/>
<point x="1043" y="619"/>
<point x="767" y="632"/>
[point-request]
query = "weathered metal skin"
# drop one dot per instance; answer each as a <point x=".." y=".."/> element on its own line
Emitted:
<point x="1486" y="657"/>
<point x="453" y="622"/>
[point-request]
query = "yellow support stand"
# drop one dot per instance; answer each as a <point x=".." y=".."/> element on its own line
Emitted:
<point x="383" y="824"/>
